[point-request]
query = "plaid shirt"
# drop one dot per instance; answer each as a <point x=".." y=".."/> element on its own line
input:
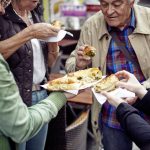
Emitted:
<point x="116" y="61"/>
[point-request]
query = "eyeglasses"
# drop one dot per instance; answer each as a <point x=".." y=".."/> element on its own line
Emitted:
<point x="5" y="3"/>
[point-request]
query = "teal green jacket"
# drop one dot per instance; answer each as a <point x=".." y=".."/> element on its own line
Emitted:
<point x="17" y="121"/>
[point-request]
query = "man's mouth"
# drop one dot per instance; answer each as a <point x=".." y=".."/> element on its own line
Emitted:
<point x="36" y="1"/>
<point x="112" y="18"/>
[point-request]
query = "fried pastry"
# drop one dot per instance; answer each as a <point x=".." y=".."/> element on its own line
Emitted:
<point x="106" y="84"/>
<point x="89" y="51"/>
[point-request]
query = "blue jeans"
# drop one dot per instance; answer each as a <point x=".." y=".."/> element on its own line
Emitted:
<point x="38" y="141"/>
<point x="114" y="139"/>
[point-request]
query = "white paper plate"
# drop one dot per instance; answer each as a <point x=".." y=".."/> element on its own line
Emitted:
<point x="119" y="92"/>
<point x="61" y="34"/>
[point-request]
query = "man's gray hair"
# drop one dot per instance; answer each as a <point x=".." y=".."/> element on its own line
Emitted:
<point x="136" y="1"/>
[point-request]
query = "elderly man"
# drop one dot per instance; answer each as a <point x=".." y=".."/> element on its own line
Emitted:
<point x="17" y="122"/>
<point x="121" y="34"/>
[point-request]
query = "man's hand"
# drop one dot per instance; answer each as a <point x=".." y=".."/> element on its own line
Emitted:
<point x="82" y="61"/>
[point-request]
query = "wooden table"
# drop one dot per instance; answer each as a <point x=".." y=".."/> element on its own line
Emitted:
<point x="67" y="42"/>
<point x="84" y="97"/>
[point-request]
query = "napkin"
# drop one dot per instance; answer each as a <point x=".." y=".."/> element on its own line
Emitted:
<point x="119" y="92"/>
<point x="61" y="34"/>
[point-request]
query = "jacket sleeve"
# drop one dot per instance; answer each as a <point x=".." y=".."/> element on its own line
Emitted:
<point x="135" y="126"/>
<point x="16" y="120"/>
<point x="144" y="104"/>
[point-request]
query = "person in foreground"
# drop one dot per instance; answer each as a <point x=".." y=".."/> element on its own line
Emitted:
<point x="28" y="57"/>
<point x="17" y="121"/>
<point x="129" y="116"/>
<point x="121" y="35"/>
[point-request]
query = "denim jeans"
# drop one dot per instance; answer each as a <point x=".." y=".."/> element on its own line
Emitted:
<point x="38" y="141"/>
<point x="114" y="139"/>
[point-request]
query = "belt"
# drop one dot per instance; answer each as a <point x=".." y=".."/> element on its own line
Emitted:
<point x="38" y="87"/>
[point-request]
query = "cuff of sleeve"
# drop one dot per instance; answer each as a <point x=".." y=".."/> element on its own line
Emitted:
<point x="146" y="84"/>
<point x="58" y="99"/>
<point x="123" y="110"/>
<point x="146" y="97"/>
<point x="143" y="104"/>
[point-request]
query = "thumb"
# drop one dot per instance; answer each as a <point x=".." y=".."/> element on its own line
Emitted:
<point x="108" y="95"/>
<point x="122" y="84"/>
<point x="113" y="100"/>
<point x="54" y="29"/>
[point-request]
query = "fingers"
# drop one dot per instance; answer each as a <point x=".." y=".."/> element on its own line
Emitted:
<point x="54" y="29"/>
<point x="131" y="100"/>
<point x="122" y="84"/>
<point x="81" y="55"/>
<point x="137" y="88"/>
<point x="82" y="61"/>
<point x="123" y="74"/>
<point x="127" y="76"/>
<point x="44" y="30"/>
<point x="113" y="100"/>
<point x="129" y="86"/>
<point x="69" y="95"/>
<point x="107" y="94"/>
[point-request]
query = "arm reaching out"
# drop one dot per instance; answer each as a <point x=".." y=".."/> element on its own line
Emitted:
<point x="38" y="31"/>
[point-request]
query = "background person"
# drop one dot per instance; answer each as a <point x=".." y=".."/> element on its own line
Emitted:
<point x="124" y="20"/>
<point x="27" y="57"/>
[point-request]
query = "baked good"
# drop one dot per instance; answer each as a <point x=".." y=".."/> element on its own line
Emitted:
<point x="106" y="84"/>
<point x="87" y="75"/>
<point x="76" y="80"/>
<point x="89" y="51"/>
<point x="58" y="24"/>
<point x="64" y="83"/>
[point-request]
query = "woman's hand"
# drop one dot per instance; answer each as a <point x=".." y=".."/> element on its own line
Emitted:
<point x="43" y="30"/>
<point x="69" y="95"/>
<point x="131" y="84"/>
<point x="113" y="100"/>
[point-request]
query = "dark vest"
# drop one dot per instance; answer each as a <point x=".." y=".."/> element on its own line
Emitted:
<point x="21" y="62"/>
